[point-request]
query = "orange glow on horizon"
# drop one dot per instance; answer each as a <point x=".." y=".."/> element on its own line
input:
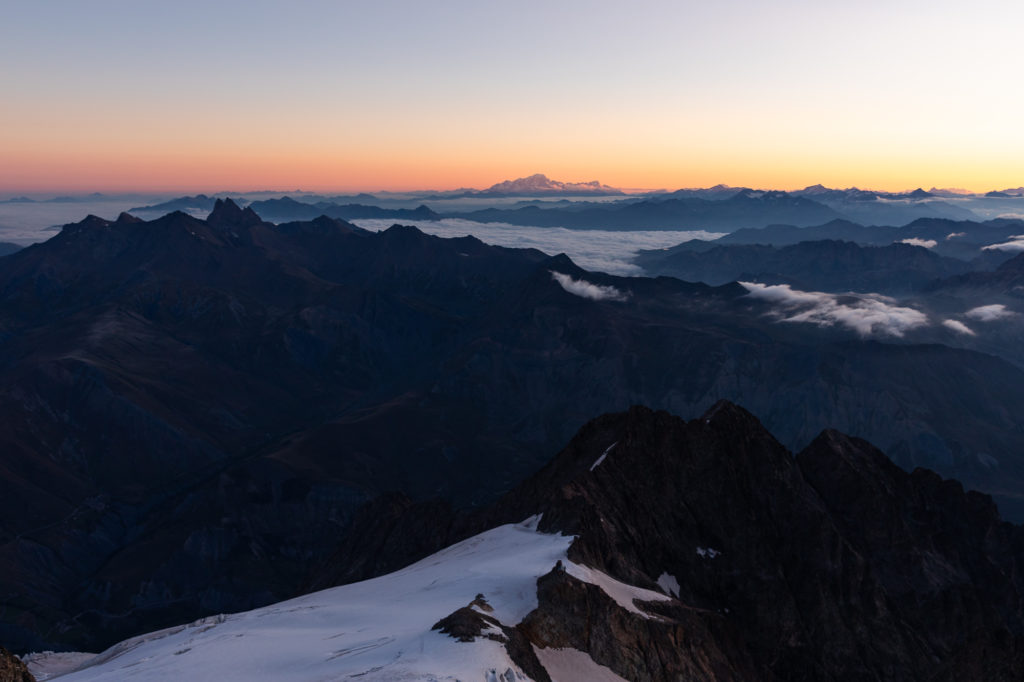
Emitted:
<point x="381" y="172"/>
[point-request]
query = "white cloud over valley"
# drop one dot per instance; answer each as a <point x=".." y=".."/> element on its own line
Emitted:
<point x="917" y="241"/>
<point x="958" y="326"/>
<point x="585" y="289"/>
<point x="990" y="313"/>
<point x="865" y="314"/>
<point x="1015" y="243"/>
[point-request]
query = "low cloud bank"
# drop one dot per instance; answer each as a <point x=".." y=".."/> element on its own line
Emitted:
<point x="585" y="289"/>
<point x="958" y="327"/>
<point x="866" y="314"/>
<point x="917" y="241"/>
<point x="1015" y="243"/>
<point x="990" y="313"/>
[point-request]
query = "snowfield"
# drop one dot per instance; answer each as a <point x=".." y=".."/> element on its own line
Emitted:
<point x="379" y="629"/>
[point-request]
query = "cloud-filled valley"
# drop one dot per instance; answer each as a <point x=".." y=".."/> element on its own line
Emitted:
<point x="600" y="250"/>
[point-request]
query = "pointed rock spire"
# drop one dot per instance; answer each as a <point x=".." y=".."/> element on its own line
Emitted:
<point x="226" y="213"/>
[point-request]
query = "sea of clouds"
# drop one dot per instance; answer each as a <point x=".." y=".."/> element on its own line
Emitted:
<point x="608" y="251"/>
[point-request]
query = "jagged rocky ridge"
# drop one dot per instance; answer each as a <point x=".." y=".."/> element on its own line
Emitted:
<point x="192" y="411"/>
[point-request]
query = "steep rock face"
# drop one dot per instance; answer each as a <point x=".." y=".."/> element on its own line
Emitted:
<point x="12" y="669"/>
<point x="834" y="565"/>
<point x="676" y="642"/>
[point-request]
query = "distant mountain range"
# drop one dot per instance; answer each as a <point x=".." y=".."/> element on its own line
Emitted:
<point x="55" y="200"/>
<point x="192" y="411"/>
<point x="200" y="203"/>
<point x="969" y="272"/>
<point x="287" y="209"/>
<point x="742" y="209"/>
<point x="965" y="239"/>
<point x="550" y="203"/>
<point x="823" y="265"/>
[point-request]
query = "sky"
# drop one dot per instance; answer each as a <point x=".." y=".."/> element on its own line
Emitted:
<point x="398" y="94"/>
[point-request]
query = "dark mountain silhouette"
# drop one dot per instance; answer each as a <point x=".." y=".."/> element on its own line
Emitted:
<point x="197" y="203"/>
<point x="287" y="209"/>
<point x="825" y="265"/>
<point x="826" y="566"/>
<point x="360" y="198"/>
<point x="192" y="411"/>
<point x="6" y="248"/>
<point x="962" y="239"/>
<point x="1007" y="280"/>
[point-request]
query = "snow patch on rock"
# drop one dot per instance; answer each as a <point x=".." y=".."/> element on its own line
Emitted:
<point x="669" y="584"/>
<point x="573" y="665"/>
<point x="604" y="454"/>
<point x="624" y="595"/>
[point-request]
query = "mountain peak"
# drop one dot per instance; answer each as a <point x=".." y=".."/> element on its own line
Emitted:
<point x="126" y="218"/>
<point x="726" y="412"/>
<point x="227" y="213"/>
<point x="538" y="183"/>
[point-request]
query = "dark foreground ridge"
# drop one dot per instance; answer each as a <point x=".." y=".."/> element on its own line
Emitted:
<point x="834" y="564"/>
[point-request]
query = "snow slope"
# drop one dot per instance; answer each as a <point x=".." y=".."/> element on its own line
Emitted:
<point x="378" y="629"/>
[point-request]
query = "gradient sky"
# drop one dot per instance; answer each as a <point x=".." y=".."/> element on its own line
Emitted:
<point x="352" y="95"/>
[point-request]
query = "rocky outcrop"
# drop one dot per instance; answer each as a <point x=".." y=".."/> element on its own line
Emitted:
<point x="833" y="565"/>
<point x="12" y="669"/>
<point x="674" y="642"/>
